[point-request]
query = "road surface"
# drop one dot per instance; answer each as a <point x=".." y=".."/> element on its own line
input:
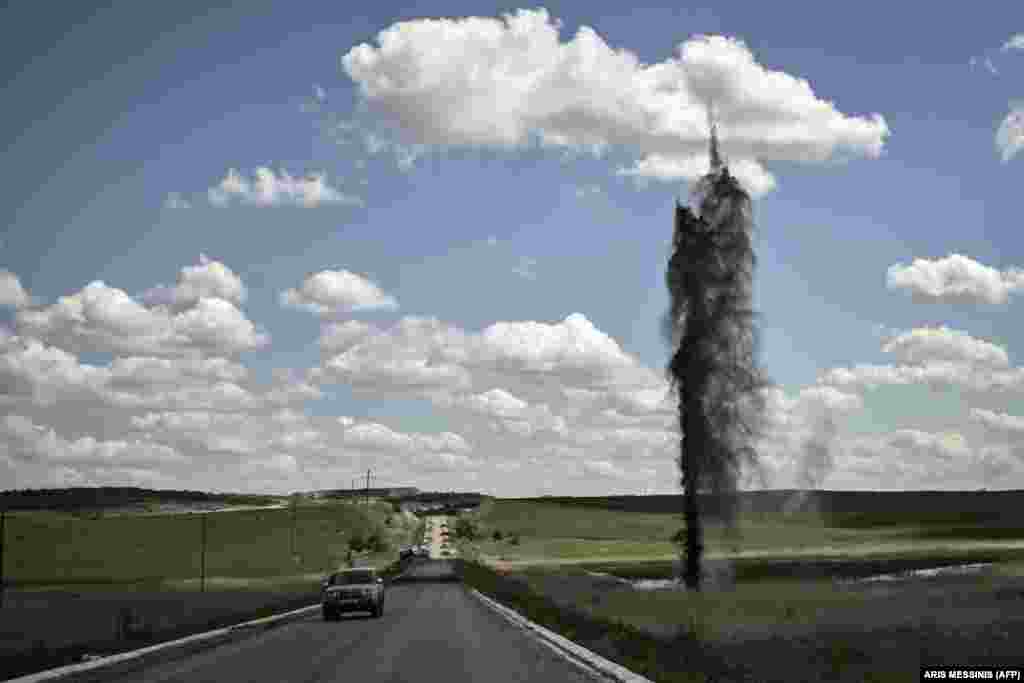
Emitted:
<point x="432" y="630"/>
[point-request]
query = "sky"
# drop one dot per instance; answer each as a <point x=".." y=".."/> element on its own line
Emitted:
<point x="270" y="246"/>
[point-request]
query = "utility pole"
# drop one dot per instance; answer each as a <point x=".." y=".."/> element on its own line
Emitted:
<point x="202" y="555"/>
<point x="295" y="507"/>
<point x="3" y="523"/>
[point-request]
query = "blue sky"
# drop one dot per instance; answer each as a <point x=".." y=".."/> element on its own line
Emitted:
<point x="112" y="115"/>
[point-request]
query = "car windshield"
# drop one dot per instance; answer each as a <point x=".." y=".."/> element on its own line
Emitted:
<point x="349" y="578"/>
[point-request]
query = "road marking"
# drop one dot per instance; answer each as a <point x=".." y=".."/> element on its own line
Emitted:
<point x="565" y="647"/>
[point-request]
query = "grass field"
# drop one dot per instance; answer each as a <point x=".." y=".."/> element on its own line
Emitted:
<point x="45" y="548"/>
<point x="560" y="530"/>
<point x="102" y="583"/>
<point x="788" y="608"/>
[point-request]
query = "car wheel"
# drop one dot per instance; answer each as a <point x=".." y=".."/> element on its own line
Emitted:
<point x="330" y="615"/>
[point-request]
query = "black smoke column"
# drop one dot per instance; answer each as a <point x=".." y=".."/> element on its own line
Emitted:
<point x="714" y="367"/>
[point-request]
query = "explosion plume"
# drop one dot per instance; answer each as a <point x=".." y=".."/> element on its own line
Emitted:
<point x="714" y="369"/>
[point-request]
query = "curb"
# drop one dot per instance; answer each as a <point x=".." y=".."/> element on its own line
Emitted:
<point x="107" y="660"/>
<point x="565" y="647"/>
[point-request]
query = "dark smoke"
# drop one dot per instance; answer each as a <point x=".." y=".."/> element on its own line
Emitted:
<point x="714" y="369"/>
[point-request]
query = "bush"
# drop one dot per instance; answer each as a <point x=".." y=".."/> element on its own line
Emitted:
<point x="376" y="543"/>
<point x="464" y="528"/>
<point x="496" y="535"/>
<point x="514" y="540"/>
<point x="357" y="542"/>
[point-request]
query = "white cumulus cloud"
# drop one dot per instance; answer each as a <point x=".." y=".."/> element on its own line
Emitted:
<point x="955" y="279"/>
<point x="925" y="344"/>
<point x="207" y="279"/>
<point x="331" y="292"/>
<point x="11" y="292"/>
<point x="506" y="81"/>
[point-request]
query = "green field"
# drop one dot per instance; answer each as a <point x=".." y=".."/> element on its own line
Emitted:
<point x="865" y="525"/>
<point x="789" y="607"/>
<point x="43" y="548"/>
<point x="72" y="577"/>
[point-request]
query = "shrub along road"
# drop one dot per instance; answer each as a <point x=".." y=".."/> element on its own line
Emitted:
<point x="432" y="629"/>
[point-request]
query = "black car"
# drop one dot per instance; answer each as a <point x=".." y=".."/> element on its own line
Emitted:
<point x="353" y="590"/>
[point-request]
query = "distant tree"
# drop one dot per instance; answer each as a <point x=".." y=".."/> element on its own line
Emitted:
<point x="464" y="528"/>
<point x="376" y="542"/>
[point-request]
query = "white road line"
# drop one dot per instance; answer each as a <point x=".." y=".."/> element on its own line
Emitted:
<point x="565" y="647"/>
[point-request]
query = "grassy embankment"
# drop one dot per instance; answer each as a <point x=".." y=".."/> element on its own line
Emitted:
<point x="782" y="605"/>
<point x="87" y="583"/>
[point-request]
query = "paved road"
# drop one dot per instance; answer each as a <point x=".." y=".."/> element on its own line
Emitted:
<point x="432" y="630"/>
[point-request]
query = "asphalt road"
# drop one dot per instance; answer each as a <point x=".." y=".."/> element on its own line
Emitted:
<point x="432" y="630"/>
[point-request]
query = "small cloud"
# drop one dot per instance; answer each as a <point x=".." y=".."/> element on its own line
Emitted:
<point x="955" y="279"/>
<point x="525" y="268"/>
<point x="1010" y="136"/>
<point x="405" y="155"/>
<point x="268" y="188"/>
<point x="984" y="62"/>
<point x="314" y="103"/>
<point x="332" y="292"/>
<point x="584" y="191"/>
<point x="1016" y="42"/>
<point x="174" y="200"/>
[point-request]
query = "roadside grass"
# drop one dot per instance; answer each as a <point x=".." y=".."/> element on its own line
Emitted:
<point x="782" y="613"/>
<point x="774" y="630"/>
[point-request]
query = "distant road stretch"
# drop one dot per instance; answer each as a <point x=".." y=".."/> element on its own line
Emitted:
<point x="431" y="630"/>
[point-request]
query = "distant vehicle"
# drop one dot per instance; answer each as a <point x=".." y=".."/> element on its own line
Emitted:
<point x="353" y="590"/>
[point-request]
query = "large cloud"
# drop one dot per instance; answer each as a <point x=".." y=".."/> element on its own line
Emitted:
<point x="25" y="440"/>
<point x="268" y="188"/>
<point x="197" y="316"/>
<point x="938" y="357"/>
<point x="432" y="355"/>
<point x="955" y="279"/>
<point x="1000" y="423"/>
<point x="926" y="344"/>
<point x="500" y="82"/>
<point x="332" y="292"/>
